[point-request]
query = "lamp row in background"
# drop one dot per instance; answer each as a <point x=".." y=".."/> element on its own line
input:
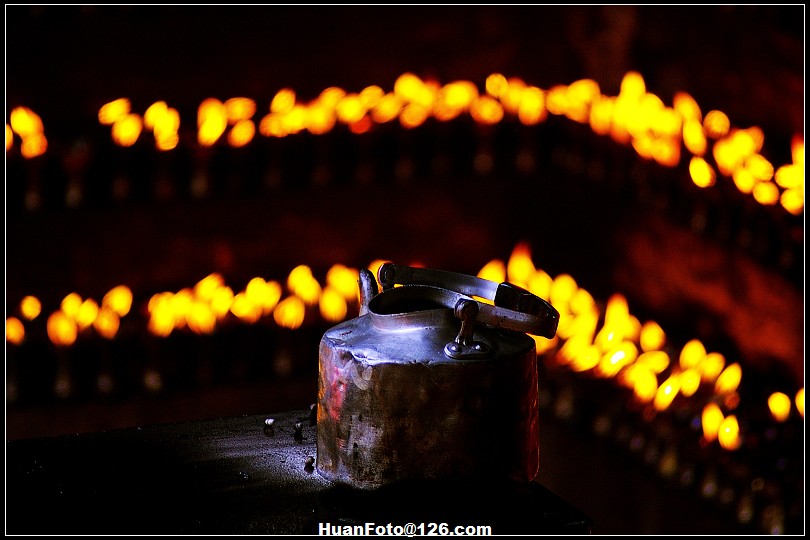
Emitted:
<point x="635" y="117"/>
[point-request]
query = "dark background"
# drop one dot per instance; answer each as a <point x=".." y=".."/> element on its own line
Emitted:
<point x="64" y="62"/>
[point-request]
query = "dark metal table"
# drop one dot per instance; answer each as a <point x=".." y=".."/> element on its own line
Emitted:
<point x="238" y="476"/>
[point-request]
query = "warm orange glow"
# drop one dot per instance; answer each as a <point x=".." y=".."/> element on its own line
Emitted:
<point x="642" y="380"/>
<point x="744" y="180"/>
<point x="201" y="319"/>
<point x="33" y="145"/>
<point x="106" y="323"/>
<point x="61" y="329"/>
<point x="412" y="89"/>
<point x="632" y="86"/>
<point x="180" y="304"/>
<point x="245" y="306"/>
<point x="118" y="299"/>
<point x="689" y="380"/>
<point x="759" y="167"/>
<point x="25" y="122"/>
<point x="494" y="270"/>
<point x="511" y="98"/>
<point x="766" y="193"/>
<point x="303" y="284"/>
<point x="221" y="301"/>
<point x="790" y="176"/>
<point x="320" y="119"/>
<point x="206" y="287"/>
<point x="799" y="400"/>
<point x="694" y="139"/>
<point x="586" y="357"/>
<point x="283" y="101"/>
<point x="127" y="129"/>
<point x="711" y="418"/>
<point x="9" y="138"/>
<point x="486" y="110"/>
<point x="343" y="280"/>
<point x="456" y="97"/>
<point x="520" y="267"/>
<point x="666" y="393"/>
<point x="161" y="314"/>
<point x="241" y="133"/>
<point x="239" y="108"/>
<point x="370" y="96"/>
<point x="111" y="112"/>
<point x="728" y="381"/>
<point x="582" y="303"/>
<point x="779" y="404"/>
<point x="563" y="288"/>
<point x="687" y="107"/>
<point x="70" y="305"/>
<point x="413" y="115"/>
<point x="702" y="173"/>
<point x="30" y="307"/>
<point x="557" y="100"/>
<point x="15" y="331"/>
<point x="387" y="109"/>
<point x="88" y="310"/>
<point x="332" y="305"/>
<point x="532" y="108"/>
<point x="539" y="284"/>
<point x="716" y="124"/>
<point x="289" y="313"/>
<point x="166" y="126"/>
<point x="153" y="114"/>
<point x="264" y="294"/>
<point x="350" y="109"/>
<point x="212" y="120"/>
<point x="657" y="361"/>
<point x="729" y="433"/>
<point x="651" y="337"/>
<point x="615" y="359"/>
<point x="691" y="354"/>
<point x="272" y="125"/>
<point x="793" y="200"/>
<point x="496" y="84"/>
<point x="711" y="366"/>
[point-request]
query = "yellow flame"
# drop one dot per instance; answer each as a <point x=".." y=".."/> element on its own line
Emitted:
<point x="701" y="172"/>
<point x="728" y="381"/>
<point x="642" y="380"/>
<point x="759" y="167"/>
<point x="789" y="176"/>
<point x="779" y="404"/>
<point x="711" y="366"/>
<point x="241" y="133"/>
<point x="332" y="305"/>
<point x="689" y="380"/>
<point x="246" y="305"/>
<point x="106" y="322"/>
<point x="127" y="129"/>
<point x="15" y="331"/>
<point x="486" y="110"/>
<point x="496" y="84"/>
<point x="494" y="270"/>
<point x="111" y="112"/>
<point x="239" y="108"/>
<point x="206" y="287"/>
<point x="601" y="118"/>
<point x="520" y="267"/>
<point x="687" y="107"/>
<point x="694" y="139"/>
<point x="799" y="400"/>
<point x="212" y="120"/>
<point x="153" y="114"/>
<point x="413" y="115"/>
<point x="289" y="313"/>
<point x="563" y="288"/>
<point x="221" y="301"/>
<point x="387" y="109"/>
<point x="320" y="119"/>
<point x="264" y="294"/>
<point x="88" y="310"/>
<point x="412" y="89"/>
<point x="33" y="145"/>
<point x="350" y="109"/>
<point x="30" y="307"/>
<point x="711" y="418"/>
<point x="118" y="299"/>
<point x="303" y="284"/>
<point x="692" y="353"/>
<point x="716" y="124"/>
<point x="201" y="319"/>
<point x="25" y="122"/>
<point x="70" y="305"/>
<point x="744" y="180"/>
<point x="729" y="433"/>
<point x="615" y="359"/>
<point x="343" y="280"/>
<point x="666" y="393"/>
<point x="61" y="329"/>
<point x="9" y="137"/>
<point x="539" y="284"/>
<point x="766" y="193"/>
<point x="656" y="361"/>
<point x="283" y="101"/>
<point x="651" y="337"/>
<point x="792" y="200"/>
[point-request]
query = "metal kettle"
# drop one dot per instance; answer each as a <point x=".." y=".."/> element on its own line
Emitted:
<point x="436" y="378"/>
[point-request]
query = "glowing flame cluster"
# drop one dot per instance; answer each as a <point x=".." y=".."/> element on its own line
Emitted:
<point x="127" y="126"/>
<point x="603" y="342"/>
<point x="27" y="125"/>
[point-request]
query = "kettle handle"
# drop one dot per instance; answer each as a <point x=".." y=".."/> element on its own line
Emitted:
<point x="512" y="308"/>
